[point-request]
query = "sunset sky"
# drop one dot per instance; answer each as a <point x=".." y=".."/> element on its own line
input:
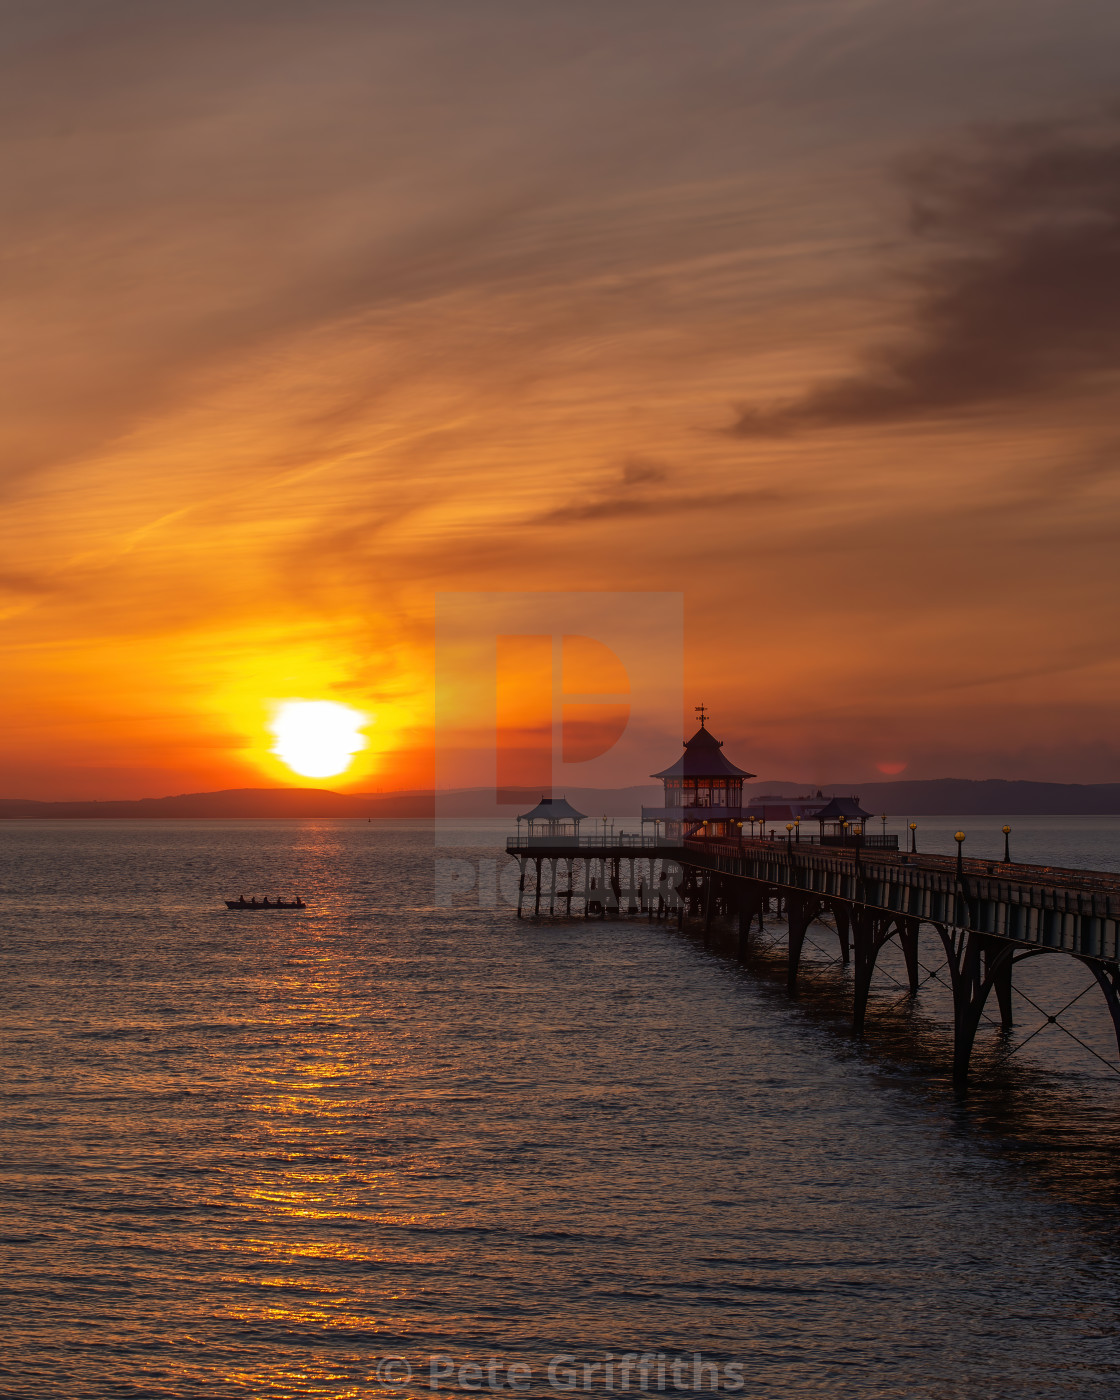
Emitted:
<point x="810" y="311"/>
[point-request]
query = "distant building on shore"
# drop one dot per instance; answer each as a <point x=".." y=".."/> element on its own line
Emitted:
<point x="773" y="807"/>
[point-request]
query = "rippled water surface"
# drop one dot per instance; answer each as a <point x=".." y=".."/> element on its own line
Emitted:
<point x="253" y="1154"/>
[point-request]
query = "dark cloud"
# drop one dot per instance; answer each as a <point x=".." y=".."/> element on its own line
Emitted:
<point x="634" y="504"/>
<point x="636" y="470"/>
<point x="1019" y="295"/>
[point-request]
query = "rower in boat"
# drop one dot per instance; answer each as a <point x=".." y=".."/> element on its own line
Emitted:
<point x="265" y="903"/>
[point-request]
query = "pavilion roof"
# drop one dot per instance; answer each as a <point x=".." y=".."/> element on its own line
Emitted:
<point x="840" y="807"/>
<point x="553" y="809"/>
<point x="702" y="758"/>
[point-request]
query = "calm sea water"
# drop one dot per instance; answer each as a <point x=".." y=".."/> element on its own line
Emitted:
<point x="254" y="1155"/>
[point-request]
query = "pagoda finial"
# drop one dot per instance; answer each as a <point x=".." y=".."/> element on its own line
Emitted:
<point x="702" y="711"/>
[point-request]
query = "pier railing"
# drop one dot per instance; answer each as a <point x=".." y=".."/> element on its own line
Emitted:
<point x="637" y="840"/>
<point x="604" y="841"/>
<point x="1048" y="875"/>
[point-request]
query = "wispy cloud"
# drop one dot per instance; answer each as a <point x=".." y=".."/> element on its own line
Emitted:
<point x="623" y="498"/>
<point x="1018" y="291"/>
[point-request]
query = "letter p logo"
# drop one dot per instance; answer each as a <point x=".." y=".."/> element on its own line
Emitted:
<point x="538" y="678"/>
<point x="543" y="694"/>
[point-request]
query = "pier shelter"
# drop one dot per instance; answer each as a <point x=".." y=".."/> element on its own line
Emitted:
<point x="703" y="791"/>
<point x="552" y="822"/>
<point x="843" y="821"/>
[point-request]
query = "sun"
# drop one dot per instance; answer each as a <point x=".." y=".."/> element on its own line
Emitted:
<point x="317" y="738"/>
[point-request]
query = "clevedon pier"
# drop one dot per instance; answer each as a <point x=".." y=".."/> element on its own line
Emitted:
<point x="698" y="860"/>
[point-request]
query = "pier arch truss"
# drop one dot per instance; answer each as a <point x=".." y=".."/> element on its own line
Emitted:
<point x="987" y="916"/>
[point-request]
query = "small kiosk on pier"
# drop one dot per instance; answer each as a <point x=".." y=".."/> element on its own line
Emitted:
<point x="842" y="822"/>
<point x="552" y="822"/>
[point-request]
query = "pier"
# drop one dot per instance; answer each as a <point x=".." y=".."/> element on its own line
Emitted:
<point x="987" y="915"/>
<point x="706" y="873"/>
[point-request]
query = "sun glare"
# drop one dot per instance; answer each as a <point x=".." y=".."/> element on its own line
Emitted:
<point x="317" y="738"/>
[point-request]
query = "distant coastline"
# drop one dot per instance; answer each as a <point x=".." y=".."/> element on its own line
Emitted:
<point x="903" y="798"/>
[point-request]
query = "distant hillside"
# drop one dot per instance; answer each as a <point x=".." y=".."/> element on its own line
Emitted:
<point x="941" y="797"/>
<point x="236" y="802"/>
<point x="321" y="802"/>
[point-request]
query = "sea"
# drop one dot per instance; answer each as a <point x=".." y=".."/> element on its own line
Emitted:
<point x="388" y="1146"/>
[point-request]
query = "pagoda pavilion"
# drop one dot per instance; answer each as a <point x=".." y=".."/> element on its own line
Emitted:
<point x="842" y="820"/>
<point x="703" y="790"/>
<point x="552" y="822"/>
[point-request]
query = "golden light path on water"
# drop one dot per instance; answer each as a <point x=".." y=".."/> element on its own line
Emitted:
<point x="250" y="1154"/>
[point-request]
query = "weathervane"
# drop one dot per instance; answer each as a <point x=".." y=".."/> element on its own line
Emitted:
<point x="702" y="711"/>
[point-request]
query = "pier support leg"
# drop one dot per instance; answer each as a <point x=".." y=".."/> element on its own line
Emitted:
<point x="521" y="886"/>
<point x="1001" y="982"/>
<point x="537" y="900"/>
<point x="552" y="887"/>
<point x="908" y="937"/>
<point x="969" y="995"/>
<point x="975" y="963"/>
<point x="800" y="913"/>
<point x="709" y="904"/>
<point x="1109" y="980"/>
<point x="843" y="932"/>
<point x="868" y="936"/>
<point x="750" y="906"/>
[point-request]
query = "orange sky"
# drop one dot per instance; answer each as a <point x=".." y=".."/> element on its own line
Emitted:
<point x="809" y="312"/>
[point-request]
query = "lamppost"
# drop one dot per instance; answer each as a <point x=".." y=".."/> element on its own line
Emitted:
<point x="843" y="831"/>
<point x="958" y="837"/>
<point x="883" y="819"/>
<point x="797" y="829"/>
<point x="1007" y="844"/>
<point x="913" y="838"/>
<point x="789" y="837"/>
<point x="604" y="828"/>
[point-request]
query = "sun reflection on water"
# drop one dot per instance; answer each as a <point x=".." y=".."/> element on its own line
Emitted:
<point x="260" y="1152"/>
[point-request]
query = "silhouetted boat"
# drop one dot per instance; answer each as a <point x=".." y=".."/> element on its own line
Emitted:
<point x="244" y="903"/>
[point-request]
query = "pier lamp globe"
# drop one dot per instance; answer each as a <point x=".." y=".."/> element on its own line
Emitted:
<point x="1007" y="844"/>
